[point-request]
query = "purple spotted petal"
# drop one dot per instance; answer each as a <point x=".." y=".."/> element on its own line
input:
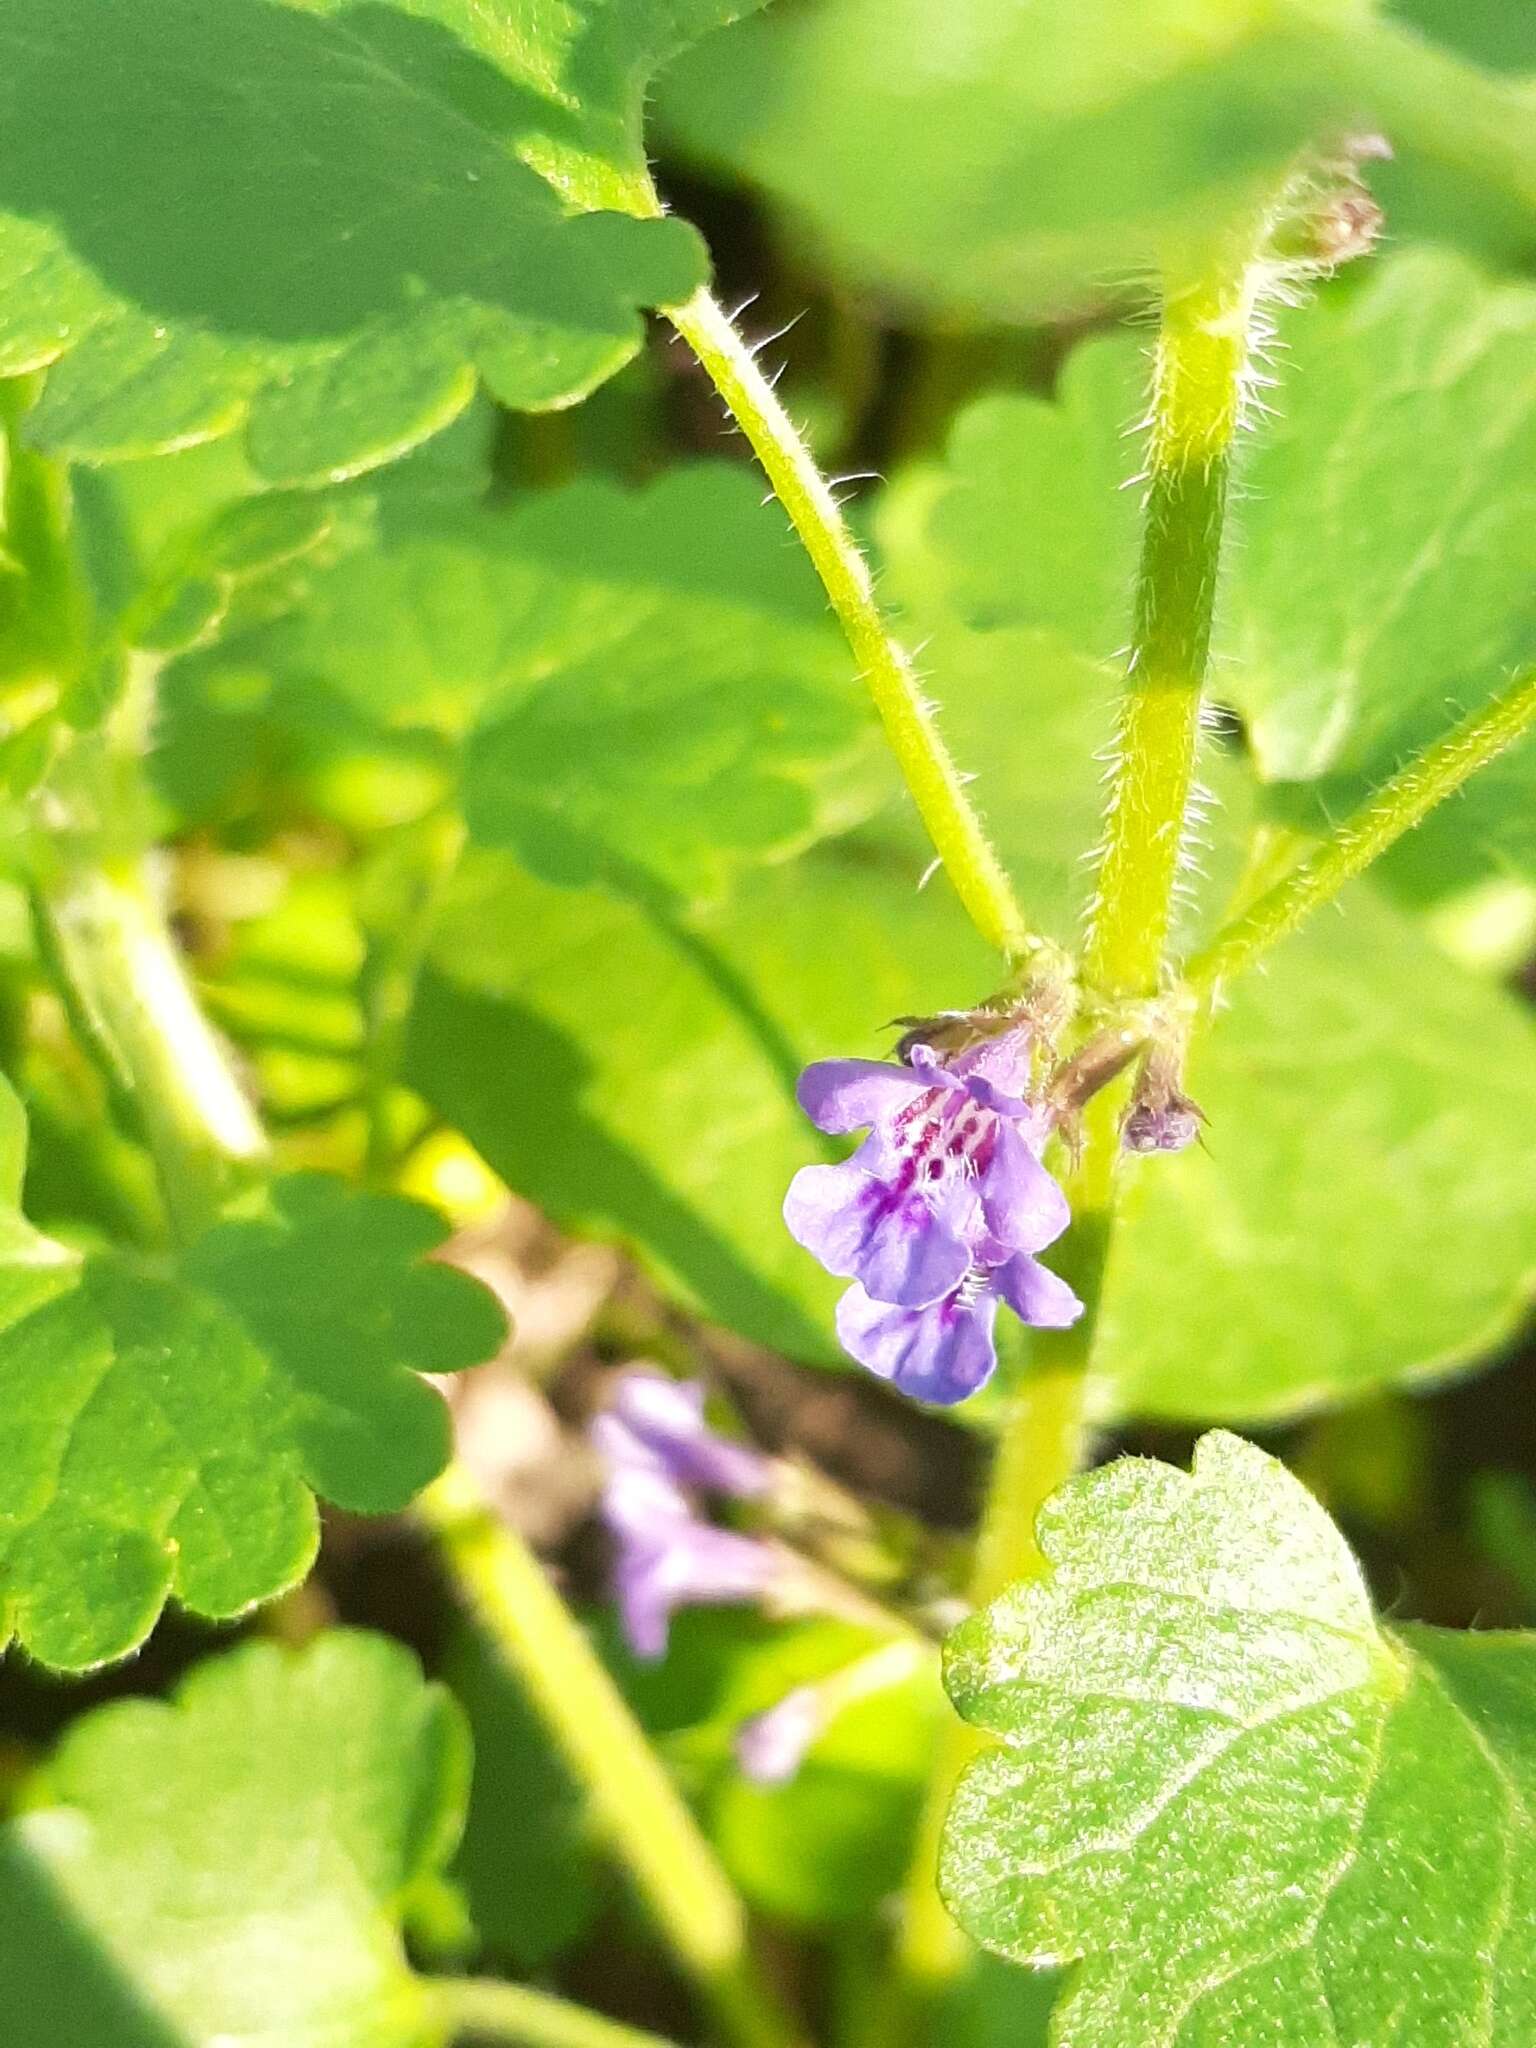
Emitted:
<point x="846" y="1095"/>
<point x="903" y="1249"/>
<point x="1024" y="1208"/>
<point x="1036" y="1295"/>
<point x="941" y="1353"/>
<point x="662" y="1421"/>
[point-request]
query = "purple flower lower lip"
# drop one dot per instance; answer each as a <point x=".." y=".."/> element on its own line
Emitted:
<point x="940" y="1353"/>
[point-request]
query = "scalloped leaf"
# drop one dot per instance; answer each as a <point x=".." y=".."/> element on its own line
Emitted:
<point x="366" y="210"/>
<point x="167" y="1427"/>
<point x="1242" y="1808"/>
<point x="1362" y="1213"/>
<point x="234" y="1864"/>
<point x="635" y="683"/>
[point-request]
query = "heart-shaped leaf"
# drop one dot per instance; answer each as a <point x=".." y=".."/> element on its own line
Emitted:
<point x="166" y="1426"/>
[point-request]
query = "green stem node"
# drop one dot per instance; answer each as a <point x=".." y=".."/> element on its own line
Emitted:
<point x="634" y="1803"/>
<point x="937" y="787"/>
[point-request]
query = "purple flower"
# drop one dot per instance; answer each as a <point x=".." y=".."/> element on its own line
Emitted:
<point x="654" y="1443"/>
<point x="771" y="1747"/>
<point x="937" y="1216"/>
<point x="658" y="1423"/>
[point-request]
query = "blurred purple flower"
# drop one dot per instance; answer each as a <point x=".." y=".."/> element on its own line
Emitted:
<point x="654" y="1443"/>
<point x="937" y="1216"/>
<point x="658" y="1423"/>
<point x="771" y="1747"/>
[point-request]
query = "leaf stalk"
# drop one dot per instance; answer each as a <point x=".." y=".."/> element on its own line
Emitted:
<point x="1400" y="804"/>
<point x="634" y="1803"/>
<point x="936" y="784"/>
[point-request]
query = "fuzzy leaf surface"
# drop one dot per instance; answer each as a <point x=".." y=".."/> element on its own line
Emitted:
<point x="1245" y="1810"/>
<point x="168" y="1425"/>
<point x="233" y="1864"/>
<point x="366" y="210"/>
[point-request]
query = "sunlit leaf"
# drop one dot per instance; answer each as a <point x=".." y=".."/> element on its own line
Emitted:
<point x="321" y="224"/>
<point x="990" y="161"/>
<point x="166" y="1426"/>
<point x="1227" y="1794"/>
<point x="633" y="684"/>
<point x="1362" y="1210"/>
<point x="234" y="1864"/>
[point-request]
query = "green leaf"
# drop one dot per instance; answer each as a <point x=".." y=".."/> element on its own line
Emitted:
<point x="166" y="1427"/>
<point x="1243" y="1808"/>
<point x="1098" y="134"/>
<point x="632" y="1071"/>
<point x="234" y="1864"/>
<point x="365" y="211"/>
<point x="1382" y="585"/>
<point x="644" y="683"/>
<point x="1362" y="1212"/>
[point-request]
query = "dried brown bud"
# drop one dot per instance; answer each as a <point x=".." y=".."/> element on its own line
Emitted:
<point x="1161" y="1117"/>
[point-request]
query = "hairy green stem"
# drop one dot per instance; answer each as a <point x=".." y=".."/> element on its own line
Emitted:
<point x="107" y="936"/>
<point x="937" y="787"/>
<point x="486" y="2009"/>
<point x="1202" y="353"/>
<point x="1379" y="823"/>
<point x="634" y="1802"/>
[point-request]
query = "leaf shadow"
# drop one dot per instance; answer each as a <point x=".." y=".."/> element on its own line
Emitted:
<point x="59" y="1981"/>
<point x="258" y="170"/>
<point x="518" y="1088"/>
